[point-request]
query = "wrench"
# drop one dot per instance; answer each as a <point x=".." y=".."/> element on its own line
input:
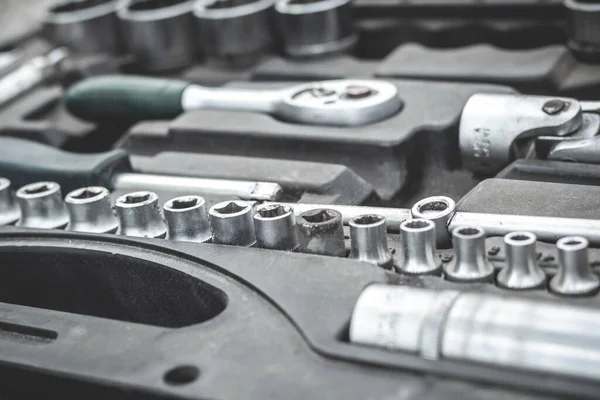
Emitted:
<point x="345" y="102"/>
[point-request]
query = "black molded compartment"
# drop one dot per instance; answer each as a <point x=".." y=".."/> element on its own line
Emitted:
<point x="105" y="285"/>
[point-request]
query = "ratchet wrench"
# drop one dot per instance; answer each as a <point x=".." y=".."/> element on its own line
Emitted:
<point x="345" y="102"/>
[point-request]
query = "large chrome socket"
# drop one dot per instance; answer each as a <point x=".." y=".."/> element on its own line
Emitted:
<point x="275" y="226"/>
<point x="159" y="34"/>
<point x="368" y="238"/>
<point x="574" y="276"/>
<point x="231" y="223"/>
<point x="418" y="248"/>
<point x="234" y="33"/>
<point x="321" y="232"/>
<point x="9" y="210"/>
<point x="187" y="219"/>
<point x="522" y="271"/>
<point x="139" y="215"/>
<point x="42" y="206"/>
<point x="90" y="210"/>
<point x="469" y="263"/>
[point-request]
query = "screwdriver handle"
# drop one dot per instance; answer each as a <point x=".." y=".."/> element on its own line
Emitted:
<point x="23" y="162"/>
<point x="131" y="98"/>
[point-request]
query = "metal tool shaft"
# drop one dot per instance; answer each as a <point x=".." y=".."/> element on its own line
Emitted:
<point x="221" y="187"/>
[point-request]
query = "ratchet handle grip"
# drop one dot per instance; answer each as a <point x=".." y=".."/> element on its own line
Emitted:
<point x="130" y="98"/>
<point x="23" y="162"/>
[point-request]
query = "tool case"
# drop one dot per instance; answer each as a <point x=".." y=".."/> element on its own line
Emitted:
<point x="111" y="315"/>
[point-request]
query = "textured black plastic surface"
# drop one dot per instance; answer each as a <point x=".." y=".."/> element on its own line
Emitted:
<point x="552" y="171"/>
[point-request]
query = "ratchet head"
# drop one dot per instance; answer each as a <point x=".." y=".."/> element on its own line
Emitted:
<point x="344" y="102"/>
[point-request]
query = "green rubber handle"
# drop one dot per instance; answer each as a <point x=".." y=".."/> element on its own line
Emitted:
<point x="124" y="97"/>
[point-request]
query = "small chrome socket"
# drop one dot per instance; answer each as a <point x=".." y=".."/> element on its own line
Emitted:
<point x="139" y="215"/>
<point x="574" y="276"/>
<point x="187" y="219"/>
<point x="321" y="232"/>
<point x="231" y="223"/>
<point x="470" y="263"/>
<point x="275" y="226"/>
<point x="9" y="210"/>
<point x="522" y="271"/>
<point x="42" y="206"/>
<point x="418" y="248"/>
<point x="368" y="238"/>
<point x="438" y="209"/>
<point x="90" y="210"/>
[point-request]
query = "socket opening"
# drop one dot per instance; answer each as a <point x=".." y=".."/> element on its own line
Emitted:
<point x="72" y="6"/>
<point x="86" y="193"/>
<point x="368" y="219"/>
<point x="318" y="217"/>
<point x="418" y="224"/>
<point x="572" y="243"/>
<point x="231" y="207"/>
<point x="146" y="5"/>
<point x="38" y="188"/>
<point x="433" y="207"/>
<point x="468" y="232"/>
<point x="184" y="203"/>
<point x="520" y="238"/>
<point x="273" y="211"/>
<point x="135" y="198"/>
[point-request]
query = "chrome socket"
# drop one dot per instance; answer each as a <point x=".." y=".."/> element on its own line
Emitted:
<point x="139" y="215"/>
<point x="469" y="263"/>
<point x="159" y="34"/>
<point x="9" y="210"/>
<point x="522" y="270"/>
<point x="321" y="232"/>
<point x="275" y="226"/>
<point x="231" y="223"/>
<point x="418" y="248"/>
<point x="440" y="210"/>
<point x="234" y="33"/>
<point x="368" y="238"/>
<point x="316" y="28"/>
<point x="90" y="210"/>
<point x="187" y="219"/>
<point x="42" y="206"/>
<point x="574" y="276"/>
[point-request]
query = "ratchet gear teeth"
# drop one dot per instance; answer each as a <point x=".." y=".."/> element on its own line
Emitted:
<point x="418" y="245"/>
<point x="369" y="241"/>
<point x="187" y="219"/>
<point x="139" y="215"/>
<point x="469" y="263"/>
<point x="231" y="223"/>
<point x="42" y="206"/>
<point x="522" y="271"/>
<point x="9" y="210"/>
<point x="90" y="210"/>
<point x="574" y="276"/>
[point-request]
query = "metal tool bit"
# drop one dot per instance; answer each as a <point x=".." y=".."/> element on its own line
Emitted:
<point x="369" y="241"/>
<point x="85" y="26"/>
<point x="440" y="210"/>
<point x="522" y="270"/>
<point x="469" y="263"/>
<point x="31" y="74"/>
<point x="231" y="223"/>
<point x="312" y="28"/>
<point x="90" y="210"/>
<point x="276" y="228"/>
<point x="234" y="33"/>
<point x="9" y="210"/>
<point x="321" y="232"/>
<point x="139" y="215"/>
<point x="42" y="206"/>
<point x="515" y="333"/>
<point x="187" y="219"/>
<point x="574" y="276"/>
<point x="161" y="35"/>
<point x="418" y="248"/>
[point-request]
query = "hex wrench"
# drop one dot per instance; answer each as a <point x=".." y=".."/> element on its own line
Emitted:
<point x="112" y="170"/>
<point x="344" y="102"/>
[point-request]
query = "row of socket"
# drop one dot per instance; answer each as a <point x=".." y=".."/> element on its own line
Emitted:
<point x="318" y="231"/>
